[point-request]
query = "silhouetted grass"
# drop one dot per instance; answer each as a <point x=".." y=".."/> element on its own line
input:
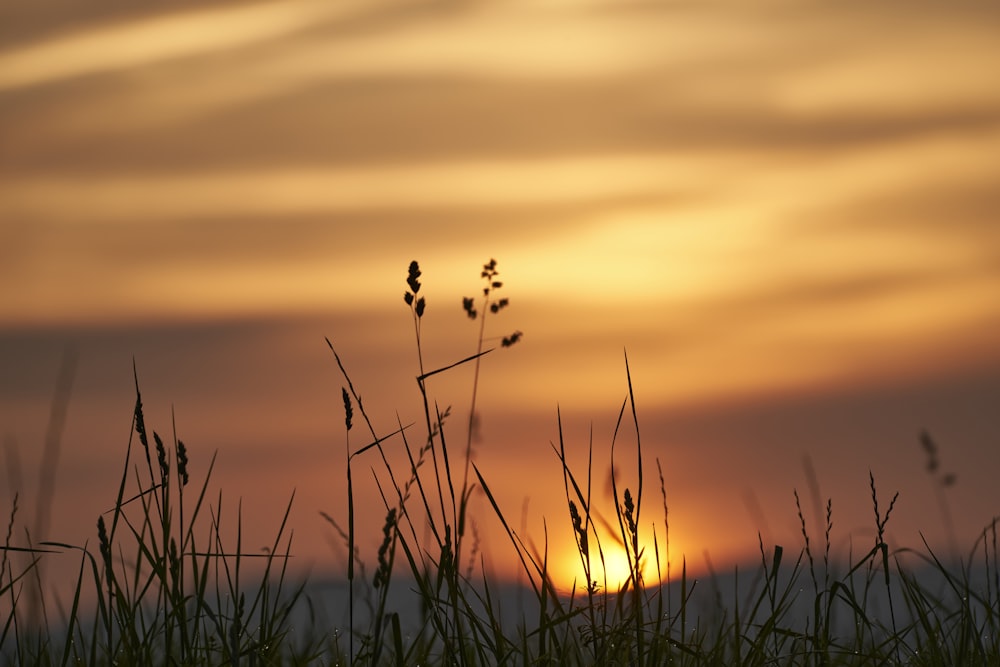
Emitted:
<point x="169" y="589"/>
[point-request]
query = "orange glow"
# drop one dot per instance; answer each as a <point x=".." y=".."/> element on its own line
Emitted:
<point x="612" y="568"/>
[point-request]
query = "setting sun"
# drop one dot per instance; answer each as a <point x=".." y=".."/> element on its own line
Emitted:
<point x="612" y="569"/>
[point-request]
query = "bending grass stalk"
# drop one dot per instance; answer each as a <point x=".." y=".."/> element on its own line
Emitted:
<point x="628" y="513"/>
<point x="582" y="528"/>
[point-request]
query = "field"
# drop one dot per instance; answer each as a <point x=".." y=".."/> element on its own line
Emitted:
<point x="167" y="580"/>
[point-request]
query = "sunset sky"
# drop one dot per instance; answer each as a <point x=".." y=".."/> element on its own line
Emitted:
<point x="786" y="213"/>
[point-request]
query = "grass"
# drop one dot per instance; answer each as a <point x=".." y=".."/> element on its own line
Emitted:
<point x="163" y="584"/>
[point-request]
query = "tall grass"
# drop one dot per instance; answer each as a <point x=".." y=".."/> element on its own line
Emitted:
<point x="165" y="586"/>
<point x="162" y="584"/>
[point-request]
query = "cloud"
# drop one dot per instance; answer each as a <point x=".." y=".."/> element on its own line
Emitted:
<point x="145" y="41"/>
<point x="682" y="154"/>
<point x="411" y="121"/>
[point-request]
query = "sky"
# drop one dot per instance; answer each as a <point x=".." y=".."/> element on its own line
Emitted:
<point x="784" y="213"/>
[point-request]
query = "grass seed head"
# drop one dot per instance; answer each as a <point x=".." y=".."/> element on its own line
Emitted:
<point x="140" y="425"/>
<point x="411" y="278"/>
<point x="579" y="529"/>
<point x="630" y="512"/>
<point x="469" y="307"/>
<point x="348" y="409"/>
<point x="511" y="339"/>
<point x="384" y="565"/>
<point x="182" y="463"/>
<point x="410" y="296"/>
<point x="161" y="457"/>
<point x="105" y="545"/>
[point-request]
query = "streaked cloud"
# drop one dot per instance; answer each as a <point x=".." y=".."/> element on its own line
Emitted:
<point x="147" y="41"/>
<point x="821" y="174"/>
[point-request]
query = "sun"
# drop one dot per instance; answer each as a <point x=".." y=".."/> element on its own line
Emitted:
<point x="613" y="573"/>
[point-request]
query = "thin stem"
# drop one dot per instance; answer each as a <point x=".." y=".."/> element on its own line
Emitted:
<point x="475" y="388"/>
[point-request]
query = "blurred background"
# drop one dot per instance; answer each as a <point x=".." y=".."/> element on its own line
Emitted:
<point x="786" y="213"/>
